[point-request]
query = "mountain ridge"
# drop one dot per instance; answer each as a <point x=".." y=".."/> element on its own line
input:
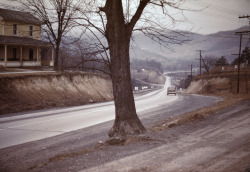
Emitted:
<point x="223" y="43"/>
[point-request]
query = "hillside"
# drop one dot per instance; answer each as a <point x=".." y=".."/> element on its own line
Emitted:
<point x="222" y="83"/>
<point x="148" y="76"/>
<point x="174" y="57"/>
<point x="37" y="91"/>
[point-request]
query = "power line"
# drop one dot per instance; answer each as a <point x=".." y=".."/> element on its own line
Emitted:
<point x="216" y="7"/>
<point x="215" y="15"/>
<point x="219" y="16"/>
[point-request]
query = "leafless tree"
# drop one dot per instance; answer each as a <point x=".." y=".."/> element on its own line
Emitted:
<point x="57" y="15"/>
<point x="209" y="62"/>
<point x="90" y="56"/>
<point x="116" y="20"/>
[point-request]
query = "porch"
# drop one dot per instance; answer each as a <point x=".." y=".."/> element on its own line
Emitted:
<point x="24" y="52"/>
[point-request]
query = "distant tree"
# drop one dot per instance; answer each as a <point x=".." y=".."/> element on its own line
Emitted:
<point x="90" y="56"/>
<point x="146" y="64"/>
<point x="244" y="57"/>
<point x="221" y="62"/>
<point x="83" y="54"/>
<point x="209" y="62"/>
<point x="187" y="81"/>
<point x="155" y="65"/>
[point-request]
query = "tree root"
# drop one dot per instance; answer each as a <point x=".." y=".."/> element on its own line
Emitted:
<point x="123" y="129"/>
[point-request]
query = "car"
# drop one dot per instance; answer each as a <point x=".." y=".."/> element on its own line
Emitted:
<point x="171" y="90"/>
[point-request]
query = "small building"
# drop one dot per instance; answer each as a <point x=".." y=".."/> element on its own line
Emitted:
<point x="20" y="40"/>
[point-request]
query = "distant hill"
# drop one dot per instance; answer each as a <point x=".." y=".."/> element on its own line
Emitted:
<point x="223" y="43"/>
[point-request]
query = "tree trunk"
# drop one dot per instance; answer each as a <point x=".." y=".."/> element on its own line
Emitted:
<point x="118" y="36"/>
<point x="126" y="119"/>
<point x="56" y="58"/>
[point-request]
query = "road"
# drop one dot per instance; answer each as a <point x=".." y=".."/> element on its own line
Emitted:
<point x="77" y="147"/>
<point x="30" y="126"/>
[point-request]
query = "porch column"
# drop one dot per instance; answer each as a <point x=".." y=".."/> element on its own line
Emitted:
<point x="5" y="55"/>
<point x="37" y="53"/>
<point x="21" y="53"/>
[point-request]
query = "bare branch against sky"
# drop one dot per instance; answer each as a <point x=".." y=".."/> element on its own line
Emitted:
<point x="217" y="15"/>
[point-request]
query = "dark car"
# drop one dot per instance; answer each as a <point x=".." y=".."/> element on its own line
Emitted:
<point x="171" y="90"/>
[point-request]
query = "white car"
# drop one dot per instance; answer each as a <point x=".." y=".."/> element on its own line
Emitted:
<point x="171" y="90"/>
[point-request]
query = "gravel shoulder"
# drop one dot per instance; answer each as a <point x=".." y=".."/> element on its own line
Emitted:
<point x="216" y="142"/>
<point x="219" y="143"/>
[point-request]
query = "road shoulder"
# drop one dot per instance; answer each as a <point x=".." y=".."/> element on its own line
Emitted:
<point x="219" y="143"/>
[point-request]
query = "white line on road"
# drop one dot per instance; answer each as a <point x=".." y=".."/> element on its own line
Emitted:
<point x="59" y="118"/>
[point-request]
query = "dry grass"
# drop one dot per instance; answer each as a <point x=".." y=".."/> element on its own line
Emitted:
<point x="216" y="83"/>
<point x="200" y="114"/>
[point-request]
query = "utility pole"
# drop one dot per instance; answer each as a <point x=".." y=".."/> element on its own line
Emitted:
<point x="200" y="59"/>
<point x="191" y="71"/>
<point x="246" y="77"/>
<point x="185" y="80"/>
<point x="240" y="33"/>
<point x="239" y="59"/>
<point x="238" y="83"/>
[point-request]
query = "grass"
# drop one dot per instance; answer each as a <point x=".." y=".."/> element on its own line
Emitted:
<point x="200" y="114"/>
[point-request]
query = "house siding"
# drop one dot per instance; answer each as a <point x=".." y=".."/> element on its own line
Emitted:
<point x="23" y="29"/>
<point x="22" y="42"/>
<point x="1" y="26"/>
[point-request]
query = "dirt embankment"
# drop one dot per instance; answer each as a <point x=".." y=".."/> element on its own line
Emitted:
<point x="220" y="83"/>
<point x="34" y="92"/>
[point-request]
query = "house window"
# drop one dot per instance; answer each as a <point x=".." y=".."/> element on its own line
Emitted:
<point x="30" y="54"/>
<point x="14" y="54"/>
<point x="31" y="30"/>
<point x="14" y="29"/>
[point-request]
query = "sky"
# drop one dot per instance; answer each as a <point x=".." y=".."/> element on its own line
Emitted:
<point x="217" y="15"/>
<point x="207" y="16"/>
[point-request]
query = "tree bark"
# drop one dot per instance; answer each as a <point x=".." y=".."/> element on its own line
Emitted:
<point x="58" y="43"/>
<point x="56" y="58"/>
<point x="126" y="119"/>
<point x="118" y="35"/>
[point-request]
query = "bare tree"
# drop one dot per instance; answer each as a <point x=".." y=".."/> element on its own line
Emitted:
<point x="57" y="15"/>
<point x="118" y="20"/>
<point x="90" y="56"/>
<point x="209" y="62"/>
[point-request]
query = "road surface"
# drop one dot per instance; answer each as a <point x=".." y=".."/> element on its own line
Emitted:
<point x="30" y="126"/>
<point x="73" y="149"/>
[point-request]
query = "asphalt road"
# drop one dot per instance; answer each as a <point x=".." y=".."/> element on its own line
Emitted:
<point x="30" y="126"/>
<point x="80" y="148"/>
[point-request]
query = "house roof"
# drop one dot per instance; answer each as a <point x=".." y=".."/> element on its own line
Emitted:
<point x="18" y="16"/>
<point x="14" y="40"/>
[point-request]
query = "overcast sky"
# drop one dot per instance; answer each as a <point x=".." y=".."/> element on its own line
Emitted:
<point x="218" y="15"/>
<point x="215" y="16"/>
